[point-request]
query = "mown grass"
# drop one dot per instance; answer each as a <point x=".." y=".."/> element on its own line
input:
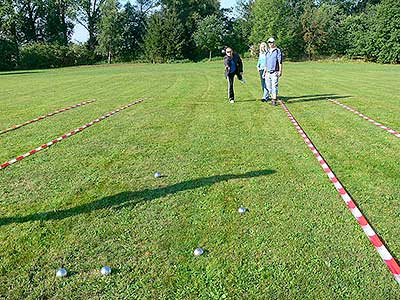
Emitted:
<point x="91" y="200"/>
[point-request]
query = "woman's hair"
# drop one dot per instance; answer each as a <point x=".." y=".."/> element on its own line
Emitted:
<point x="265" y="46"/>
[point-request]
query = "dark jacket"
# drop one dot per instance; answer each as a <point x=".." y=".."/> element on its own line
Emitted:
<point x="238" y="62"/>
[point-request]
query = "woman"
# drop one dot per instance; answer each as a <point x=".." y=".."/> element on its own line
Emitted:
<point x="233" y="66"/>
<point x="261" y="67"/>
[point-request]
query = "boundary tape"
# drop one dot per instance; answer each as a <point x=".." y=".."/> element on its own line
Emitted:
<point x="394" y="132"/>
<point x="355" y="211"/>
<point x="66" y="135"/>
<point x="47" y="115"/>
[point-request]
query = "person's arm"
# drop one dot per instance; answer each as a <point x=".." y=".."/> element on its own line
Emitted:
<point x="226" y="64"/>
<point x="280" y="63"/>
<point x="240" y="65"/>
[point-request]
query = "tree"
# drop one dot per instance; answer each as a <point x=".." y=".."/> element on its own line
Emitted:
<point x="165" y="37"/>
<point x="9" y="36"/>
<point x="280" y="19"/>
<point x="154" y="39"/>
<point x="172" y="35"/>
<point x="133" y="31"/>
<point x="30" y="20"/>
<point x="58" y="25"/>
<point x="189" y="12"/>
<point x="144" y="6"/>
<point x="208" y="35"/>
<point x="110" y="34"/>
<point x="385" y="35"/>
<point x="88" y="15"/>
<point x="322" y="29"/>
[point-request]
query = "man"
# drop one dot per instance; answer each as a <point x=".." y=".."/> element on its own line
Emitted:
<point x="233" y="66"/>
<point x="272" y="71"/>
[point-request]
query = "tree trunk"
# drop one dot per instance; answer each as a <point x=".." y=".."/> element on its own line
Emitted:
<point x="209" y="58"/>
<point x="109" y="56"/>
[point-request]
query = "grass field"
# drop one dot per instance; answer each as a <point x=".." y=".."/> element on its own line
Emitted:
<point x="91" y="200"/>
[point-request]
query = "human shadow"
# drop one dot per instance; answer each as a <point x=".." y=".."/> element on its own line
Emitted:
<point x="17" y="73"/>
<point x="306" y="98"/>
<point x="131" y="198"/>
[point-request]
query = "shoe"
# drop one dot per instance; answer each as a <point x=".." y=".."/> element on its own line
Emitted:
<point x="231" y="101"/>
<point x="273" y="102"/>
<point x="263" y="100"/>
<point x="243" y="80"/>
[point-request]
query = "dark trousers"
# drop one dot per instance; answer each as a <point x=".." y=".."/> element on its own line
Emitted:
<point x="231" y="92"/>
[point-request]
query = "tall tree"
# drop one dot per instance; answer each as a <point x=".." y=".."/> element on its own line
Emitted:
<point x="322" y="28"/>
<point x="9" y="51"/>
<point x="133" y="31"/>
<point x="280" y="19"/>
<point x="31" y="19"/>
<point x="154" y="39"/>
<point x="189" y="12"/>
<point x="208" y="35"/>
<point x="172" y="35"/>
<point x="386" y="34"/>
<point x="88" y="15"/>
<point x="145" y="6"/>
<point x="58" y="24"/>
<point x="110" y="33"/>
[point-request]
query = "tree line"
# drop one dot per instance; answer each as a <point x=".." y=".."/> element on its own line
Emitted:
<point x="37" y="33"/>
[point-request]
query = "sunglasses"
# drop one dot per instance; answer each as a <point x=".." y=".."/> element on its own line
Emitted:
<point x="270" y="42"/>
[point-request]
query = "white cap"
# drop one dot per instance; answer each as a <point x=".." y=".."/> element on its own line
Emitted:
<point x="271" y="40"/>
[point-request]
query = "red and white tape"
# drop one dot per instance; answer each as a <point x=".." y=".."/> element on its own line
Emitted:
<point x="394" y="132"/>
<point x="47" y="115"/>
<point x="355" y="211"/>
<point x="44" y="146"/>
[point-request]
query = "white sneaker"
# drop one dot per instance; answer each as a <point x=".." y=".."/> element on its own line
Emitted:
<point x="231" y="101"/>
<point x="243" y="80"/>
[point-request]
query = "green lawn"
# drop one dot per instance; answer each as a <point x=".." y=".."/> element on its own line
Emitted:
<point x="91" y="200"/>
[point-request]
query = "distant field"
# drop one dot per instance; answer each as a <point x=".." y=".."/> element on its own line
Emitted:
<point x="91" y="200"/>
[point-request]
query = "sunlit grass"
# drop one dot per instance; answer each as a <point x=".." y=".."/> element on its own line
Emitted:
<point x="92" y="199"/>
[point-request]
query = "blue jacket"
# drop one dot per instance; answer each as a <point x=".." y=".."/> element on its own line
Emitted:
<point x="273" y="59"/>
<point x="235" y="59"/>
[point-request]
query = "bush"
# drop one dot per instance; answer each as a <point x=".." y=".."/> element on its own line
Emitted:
<point x="43" y="55"/>
<point x="8" y="55"/>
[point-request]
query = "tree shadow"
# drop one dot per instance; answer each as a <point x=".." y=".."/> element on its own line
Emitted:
<point x="131" y="198"/>
<point x="306" y="98"/>
<point x="18" y="73"/>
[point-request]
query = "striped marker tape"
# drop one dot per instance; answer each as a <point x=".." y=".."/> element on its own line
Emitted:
<point x="394" y="132"/>
<point x="47" y="115"/>
<point x="355" y="211"/>
<point x="66" y="135"/>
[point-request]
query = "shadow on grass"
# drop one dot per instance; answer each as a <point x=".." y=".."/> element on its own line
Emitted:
<point x="306" y="98"/>
<point x="18" y="73"/>
<point x="131" y="198"/>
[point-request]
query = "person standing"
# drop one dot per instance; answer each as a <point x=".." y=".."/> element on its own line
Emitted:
<point x="273" y="70"/>
<point x="261" y="67"/>
<point x="233" y="66"/>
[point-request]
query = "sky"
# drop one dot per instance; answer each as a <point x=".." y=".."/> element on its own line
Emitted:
<point x="81" y="35"/>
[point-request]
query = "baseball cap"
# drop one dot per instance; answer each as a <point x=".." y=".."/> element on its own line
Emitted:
<point x="271" y="40"/>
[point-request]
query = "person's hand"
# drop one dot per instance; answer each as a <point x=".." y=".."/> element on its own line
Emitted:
<point x="280" y="73"/>
<point x="241" y="73"/>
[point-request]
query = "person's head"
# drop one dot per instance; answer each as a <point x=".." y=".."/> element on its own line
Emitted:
<point x="263" y="47"/>
<point x="271" y="42"/>
<point x="229" y="51"/>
